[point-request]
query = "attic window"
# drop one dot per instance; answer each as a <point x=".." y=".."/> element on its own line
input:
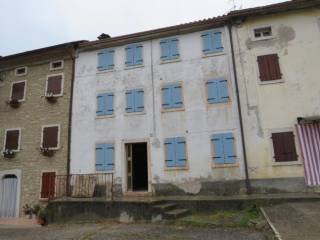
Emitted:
<point x="21" y="71"/>
<point x="56" y="65"/>
<point x="262" y="33"/>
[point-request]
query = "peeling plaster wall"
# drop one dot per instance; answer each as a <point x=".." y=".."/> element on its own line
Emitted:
<point x="197" y="122"/>
<point x="277" y="106"/>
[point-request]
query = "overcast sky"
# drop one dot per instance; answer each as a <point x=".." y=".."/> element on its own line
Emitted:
<point x="31" y="24"/>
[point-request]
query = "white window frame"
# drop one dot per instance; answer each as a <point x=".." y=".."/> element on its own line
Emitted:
<point x="5" y="139"/>
<point x="22" y="74"/>
<point x="25" y="90"/>
<point x="58" y="140"/>
<point x="62" y="84"/>
<point x="58" y="68"/>
<point x="254" y="38"/>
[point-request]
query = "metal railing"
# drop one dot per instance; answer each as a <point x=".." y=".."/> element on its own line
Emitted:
<point x="98" y="185"/>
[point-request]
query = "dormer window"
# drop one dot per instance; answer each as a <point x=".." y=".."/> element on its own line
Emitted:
<point x="21" y="71"/>
<point x="262" y="33"/>
<point x="56" y="65"/>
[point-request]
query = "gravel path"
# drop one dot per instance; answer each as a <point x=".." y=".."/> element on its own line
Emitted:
<point x="115" y="231"/>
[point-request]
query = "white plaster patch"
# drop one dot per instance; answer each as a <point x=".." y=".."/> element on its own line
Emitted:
<point x="192" y="187"/>
<point x="125" y="218"/>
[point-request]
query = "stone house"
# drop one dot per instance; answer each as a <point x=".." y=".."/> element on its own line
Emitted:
<point x="35" y="95"/>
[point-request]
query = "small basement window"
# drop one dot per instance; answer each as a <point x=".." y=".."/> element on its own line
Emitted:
<point x="18" y="91"/>
<point x="56" y="65"/>
<point x="54" y="85"/>
<point x="21" y="71"/>
<point x="262" y="33"/>
<point x="12" y="140"/>
<point x="50" y="137"/>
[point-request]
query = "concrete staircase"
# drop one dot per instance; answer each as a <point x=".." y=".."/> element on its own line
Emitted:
<point x="169" y="211"/>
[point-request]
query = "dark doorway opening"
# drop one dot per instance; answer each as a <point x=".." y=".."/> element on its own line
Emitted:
<point x="139" y="167"/>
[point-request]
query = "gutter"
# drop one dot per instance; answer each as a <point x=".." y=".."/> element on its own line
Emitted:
<point x="247" y="180"/>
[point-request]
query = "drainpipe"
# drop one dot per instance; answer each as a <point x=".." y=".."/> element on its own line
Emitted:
<point x="247" y="181"/>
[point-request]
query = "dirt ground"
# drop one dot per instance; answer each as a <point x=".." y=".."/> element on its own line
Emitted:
<point x="117" y="231"/>
<point x="296" y="221"/>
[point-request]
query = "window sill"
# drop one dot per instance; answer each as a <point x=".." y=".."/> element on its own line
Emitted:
<point x="261" y="39"/>
<point x="219" y="104"/>
<point x="104" y="71"/>
<point x="133" y="67"/>
<point x="165" y="110"/>
<point x="271" y="82"/>
<point x="205" y="55"/>
<point x="170" y="169"/>
<point x="43" y="199"/>
<point x="54" y="96"/>
<point x="233" y="165"/>
<point x="56" y="69"/>
<point x="107" y="171"/>
<point x="104" y="116"/>
<point x="170" y="61"/>
<point x="134" y="113"/>
<point x="293" y="163"/>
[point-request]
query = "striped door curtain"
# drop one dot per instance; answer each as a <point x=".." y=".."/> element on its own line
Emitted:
<point x="309" y="138"/>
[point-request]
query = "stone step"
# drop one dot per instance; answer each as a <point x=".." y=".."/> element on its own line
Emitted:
<point x="176" y="213"/>
<point x="165" y="207"/>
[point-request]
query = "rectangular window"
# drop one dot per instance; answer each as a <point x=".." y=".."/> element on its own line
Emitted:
<point x="104" y="157"/>
<point x="12" y="140"/>
<point x="217" y="91"/>
<point x="104" y="104"/>
<point x="169" y="49"/>
<point x="175" y="152"/>
<point x="56" y="65"/>
<point x="223" y="148"/>
<point x="54" y="86"/>
<point x="284" y="147"/>
<point x="135" y="102"/>
<point x="105" y="59"/>
<point x="172" y="96"/>
<point x="48" y="185"/>
<point x="269" y="67"/>
<point x="20" y="71"/>
<point x="262" y="33"/>
<point x="50" y="137"/>
<point x="18" y="91"/>
<point x="134" y="55"/>
<point x="212" y="42"/>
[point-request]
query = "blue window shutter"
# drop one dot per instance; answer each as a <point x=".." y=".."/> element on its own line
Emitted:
<point x="129" y="55"/>
<point x="100" y="157"/>
<point x="176" y="96"/>
<point x="109" y="157"/>
<point x="100" y="105"/>
<point x="170" y="152"/>
<point x="110" y="55"/>
<point x="130" y="101"/>
<point x="138" y="54"/>
<point x="217" y="142"/>
<point x="217" y="42"/>
<point x="207" y="42"/>
<point x="223" y="90"/>
<point x="164" y="49"/>
<point x="228" y="144"/>
<point x="174" y="53"/>
<point x="109" y="103"/>
<point x="212" y="91"/>
<point x="166" y="97"/>
<point x="180" y="147"/>
<point x="138" y="101"/>
<point x="102" y="61"/>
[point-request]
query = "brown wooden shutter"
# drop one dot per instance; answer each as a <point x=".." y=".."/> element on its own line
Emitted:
<point x="18" y="91"/>
<point x="48" y="184"/>
<point x="284" y="147"/>
<point x="269" y="67"/>
<point x="54" y="85"/>
<point x="50" y="137"/>
<point x="12" y="139"/>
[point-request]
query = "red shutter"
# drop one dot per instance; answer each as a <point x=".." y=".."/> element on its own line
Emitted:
<point x="48" y="184"/>
<point x="54" y="85"/>
<point x="18" y="91"/>
<point x="284" y="147"/>
<point x="269" y="67"/>
<point x="50" y="137"/>
<point x="12" y="139"/>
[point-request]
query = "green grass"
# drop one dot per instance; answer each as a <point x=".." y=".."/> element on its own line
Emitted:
<point x="223" y="218"/>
